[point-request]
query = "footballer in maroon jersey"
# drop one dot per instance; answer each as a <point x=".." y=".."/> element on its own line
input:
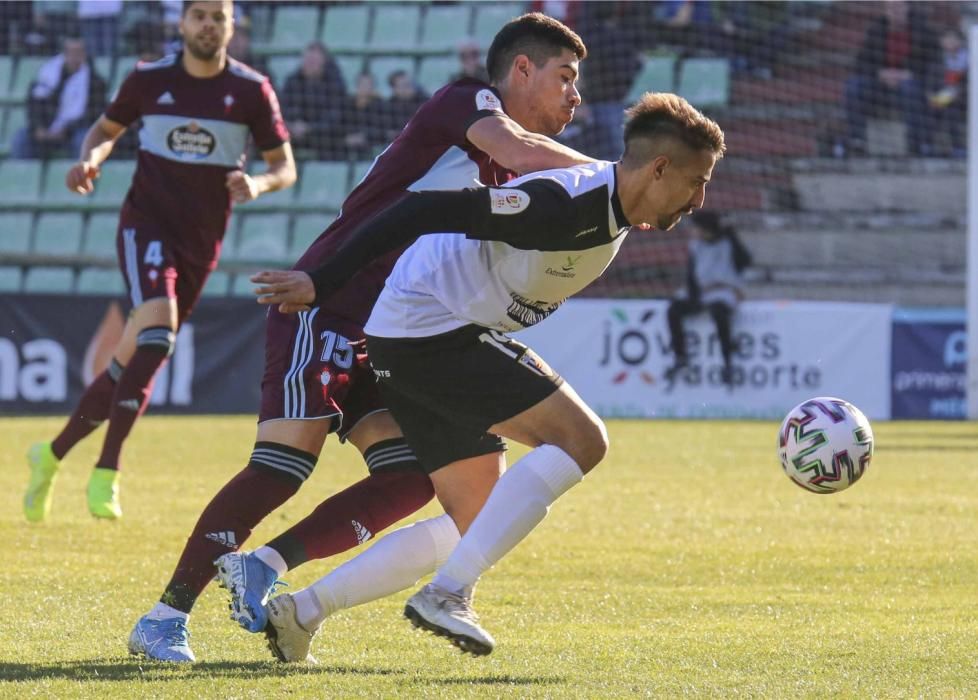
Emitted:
<point x="315" y="380"/>
<point x="198" y="109"/>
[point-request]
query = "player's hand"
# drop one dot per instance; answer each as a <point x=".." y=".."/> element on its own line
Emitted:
<point x="242" y="186"/>
<point x="80" y="177"/>
<point x="292" y="290"/>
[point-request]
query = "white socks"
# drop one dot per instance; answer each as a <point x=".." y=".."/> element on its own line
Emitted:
<point x="395" y="562"/>
<point x="162" y="611"/>
<point x="517" y="504"/>
<point x="273" y="559"/>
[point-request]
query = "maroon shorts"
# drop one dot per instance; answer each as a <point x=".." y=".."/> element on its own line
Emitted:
<point x="153" y="269"/>
<point x="315" y="367"/>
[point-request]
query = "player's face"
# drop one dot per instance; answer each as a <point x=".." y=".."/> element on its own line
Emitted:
<point x="553" y="95"/>
<point x="206" y="28"/>
<point x="678" y="187"/>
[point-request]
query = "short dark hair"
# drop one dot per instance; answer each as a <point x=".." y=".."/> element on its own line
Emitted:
<point x="186" y="6"/>
<point x="662" y="114"/>
<point x="535" y="35"/>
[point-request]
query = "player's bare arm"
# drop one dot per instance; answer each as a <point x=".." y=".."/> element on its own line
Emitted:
<point x="96" y="147"/>
<point x="513" y="147"/>
<point x="279" y="175"/>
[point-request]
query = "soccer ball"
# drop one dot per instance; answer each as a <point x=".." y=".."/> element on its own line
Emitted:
<point x="825" y="444"/>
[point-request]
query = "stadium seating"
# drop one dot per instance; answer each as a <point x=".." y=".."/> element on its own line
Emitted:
<point x="323" y="186"/>
<point x="24" y="74"/>
<point x="305" y="229"/>
<point x="444" y="26"/>
<point x="281" y="67"/>
<point x="96" y="280"/>
<point x="435" y="72"/>
<point x="263" y="238"/>
<point x="10" y="278"/>
<point x="395" y="28"/>
<point x="658" y="74"/>
<point x="49" y="280"/>
<point x="360" y="169"/>
<point x="345" y="27"/>
<point x="20" y="182"/>
<point x="490" y="16"/>
<point x="54" y="193"/>
<point x="381" y="67"/>
<point x="100" y="235"/>
<point x="242" y="286"/>
<point x="16" y="230"/>
<point x="217" y="284"/>
<point x="705" y="82"/>
<point x="6" y="69"/>
<point x="292" y="29"/>
<point x="15" y="119"/>
<point x="58" y="234"/>
<point x="113" y="183"/>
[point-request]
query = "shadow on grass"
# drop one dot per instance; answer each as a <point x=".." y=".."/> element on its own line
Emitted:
<point x="499" y="680"/>
<point x="920" y="447"/>
<point x="122" y="670"/>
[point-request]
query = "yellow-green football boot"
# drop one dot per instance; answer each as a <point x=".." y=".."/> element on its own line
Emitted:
<point x="44" y="470"/>
<point x="103" y="494"/>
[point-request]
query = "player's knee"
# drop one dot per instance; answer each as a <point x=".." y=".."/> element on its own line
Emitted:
<point x="158" y="338"/>
<point x="593" y="445"/>
<point x="282" y="460"/>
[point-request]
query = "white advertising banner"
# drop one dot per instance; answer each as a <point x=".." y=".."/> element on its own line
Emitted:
<point x="615" y="354"/>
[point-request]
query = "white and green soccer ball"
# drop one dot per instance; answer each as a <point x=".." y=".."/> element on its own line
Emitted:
<point x="825" y="444"/>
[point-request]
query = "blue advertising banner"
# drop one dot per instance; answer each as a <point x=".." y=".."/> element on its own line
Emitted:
<point x="928" y="359"/>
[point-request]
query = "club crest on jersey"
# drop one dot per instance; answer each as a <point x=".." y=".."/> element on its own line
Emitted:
<point x="486" y="99"/>
<point x="191" y="141"/>
<point x="228" y="102"/>
<point x="508" y="201"/>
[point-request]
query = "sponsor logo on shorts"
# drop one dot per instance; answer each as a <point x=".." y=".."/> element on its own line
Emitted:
<point x="486" y="99"/>
<point x="191" y="141"/>
<point x="508" y="201"/>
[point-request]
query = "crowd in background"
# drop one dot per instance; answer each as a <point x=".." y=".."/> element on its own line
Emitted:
<point x="911" y="65"/>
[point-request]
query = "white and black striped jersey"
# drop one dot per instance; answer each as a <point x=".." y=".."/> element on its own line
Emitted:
<point x="504" y="258"/>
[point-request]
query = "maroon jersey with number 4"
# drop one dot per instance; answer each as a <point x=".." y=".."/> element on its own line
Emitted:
<point x="194" y="131"/>
<point x="431" y="153"/>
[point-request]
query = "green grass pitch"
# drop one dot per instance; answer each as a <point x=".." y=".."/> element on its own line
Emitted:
<point x="686" y="565"/>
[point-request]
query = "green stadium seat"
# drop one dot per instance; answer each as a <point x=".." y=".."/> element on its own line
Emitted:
<point x="123" y="67"/>
<point x="281" y="67"/>
<point x="15" y="120"/>
<point x="24" y="74"/>
<point x="49" y="280"/>
<point x="383" y="66"/>
<point x="658" y="74"/>
<point x="491" y="16"/>
<point x="323" y="185"/>
<point x="705" y="82"/>
<point x="53" y="191"/>
<point x="345" y="28"/>
<point x="350" y="67"/>
<point x="360" y="169"/>
<point x="263" y="237"/>
<point x="103" y="67"/>
<point x="20" y="182"/>
<point x="100" y="280"/>
<point x="292" y="29"/>
<point x="113" y="183"/>
<point x="11" y="278"/>
<point x="241" y="286"/>
<point x="217" y="284"/>
<point x="305" y="229"/>
<point x="58" y="234"/>
<point x="396" y="28"/>
<point x="435" y="72"/>
<point x="444" y="26"/>
<point x="229" y="244"/>
<point x="100" y="235"/>
<point x="6" y="69"/>
<point x="15" y="232"/>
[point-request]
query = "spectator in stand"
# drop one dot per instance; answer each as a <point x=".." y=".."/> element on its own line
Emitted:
<point x="312" y="99"/>
<point x="950" y="99"/>
<point x="717" y="257"/>
<point x="99" y="20"/>
<point x="898" y="64"/>
<point x="240" y="47"/>
<point x="404" y="101"/>
<point x="471" y="63"/>
<point x="613" y="62"/>
<point x="64" y="99"/>
<point x="360" y="127"/>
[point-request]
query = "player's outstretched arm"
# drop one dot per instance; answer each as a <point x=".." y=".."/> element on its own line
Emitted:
<point x="279" y="175"/>
<point x="96" y="147"/>
<point x="513" y="147"/>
